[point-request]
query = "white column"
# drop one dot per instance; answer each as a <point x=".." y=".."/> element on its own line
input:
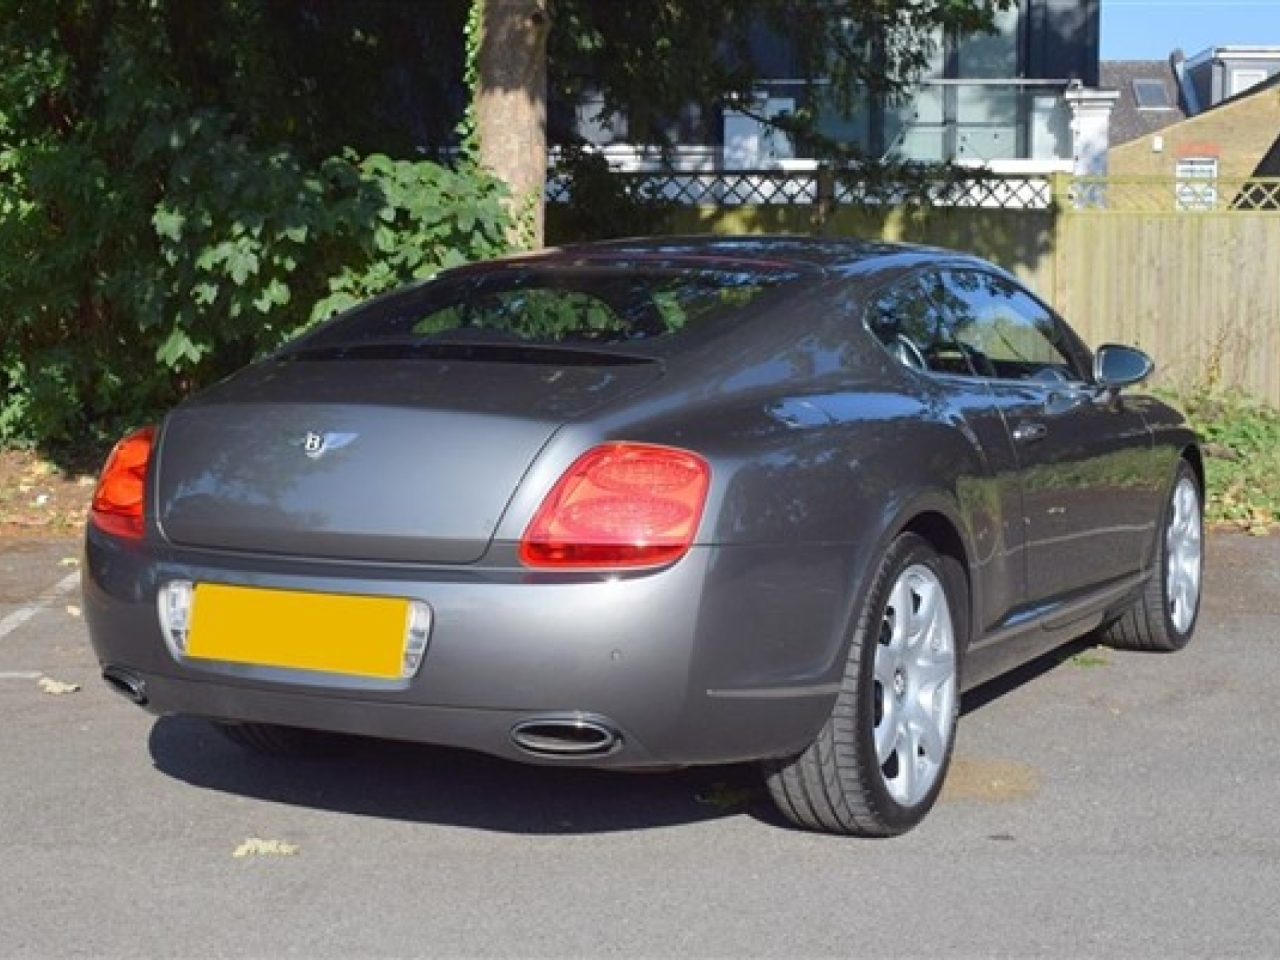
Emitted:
<point x="1091" y="129"/>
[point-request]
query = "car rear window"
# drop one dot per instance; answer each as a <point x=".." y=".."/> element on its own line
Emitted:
<point x="560" y="306"/>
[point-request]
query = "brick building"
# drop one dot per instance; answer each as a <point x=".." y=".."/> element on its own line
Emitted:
<point x="1228" y="140"/>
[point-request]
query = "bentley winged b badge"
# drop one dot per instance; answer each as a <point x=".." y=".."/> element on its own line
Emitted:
<point x="315" y="444"/>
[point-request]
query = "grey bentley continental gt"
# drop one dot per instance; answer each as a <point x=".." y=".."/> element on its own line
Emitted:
<point x="652" y="503"/>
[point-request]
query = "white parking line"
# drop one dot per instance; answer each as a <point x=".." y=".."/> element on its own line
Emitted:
<point x="20" y="616"/>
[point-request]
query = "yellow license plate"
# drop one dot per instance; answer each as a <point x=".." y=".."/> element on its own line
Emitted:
<point x="364" y="636"/>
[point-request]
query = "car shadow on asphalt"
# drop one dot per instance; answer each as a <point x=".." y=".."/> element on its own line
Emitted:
<point x="977" y="698"/>
<point x="437" y="785"/>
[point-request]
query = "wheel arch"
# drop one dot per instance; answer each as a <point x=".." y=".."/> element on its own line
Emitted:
<point x="941" y="532"/>
<point x="1195" y="459"/>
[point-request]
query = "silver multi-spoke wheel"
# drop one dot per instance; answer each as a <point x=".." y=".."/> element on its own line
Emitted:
<point x="876" y="767"/>
<point x="1184" y="552"/>
<point x="1164" y="616"/>
<point x="915" y="685"/>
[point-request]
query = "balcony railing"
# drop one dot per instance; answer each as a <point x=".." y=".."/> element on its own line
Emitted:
<point x="982" y="121"/>
<point x="989" y="122"/>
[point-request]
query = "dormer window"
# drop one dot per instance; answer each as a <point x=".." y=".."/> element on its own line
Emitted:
<point x="1244" y="79"/>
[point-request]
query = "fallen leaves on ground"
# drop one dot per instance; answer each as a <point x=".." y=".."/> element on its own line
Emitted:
<point x="56" y="688"/>
<point x="39" y="499"/>
<point x="258" y="847"/>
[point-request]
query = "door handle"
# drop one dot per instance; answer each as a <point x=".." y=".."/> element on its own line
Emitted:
<point x="1027" y="432"/>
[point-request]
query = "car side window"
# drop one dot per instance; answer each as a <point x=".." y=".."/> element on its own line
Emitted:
<point x="1005" y="332"/>
<point x="907" y="321"/>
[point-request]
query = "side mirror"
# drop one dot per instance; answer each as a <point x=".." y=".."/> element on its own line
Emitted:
<point x="1116" y="366"/>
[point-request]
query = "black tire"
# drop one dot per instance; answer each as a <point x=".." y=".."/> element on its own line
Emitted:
<point x="1164" y="617"/>
<point x="276" y="741"/>
<point x="839" y="784"/>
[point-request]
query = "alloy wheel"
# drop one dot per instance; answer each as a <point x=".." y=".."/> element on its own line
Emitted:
<point x="915" y="685"/>
<point x="1184" y="554"/>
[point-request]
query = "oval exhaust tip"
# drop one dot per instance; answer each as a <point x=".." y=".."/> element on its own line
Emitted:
<point x="127" y="684"/>
<point x="566" y="737"/>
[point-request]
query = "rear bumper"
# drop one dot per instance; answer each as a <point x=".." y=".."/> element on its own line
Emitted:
<point x="717" y="731"/>
<point x="731" y="654"/>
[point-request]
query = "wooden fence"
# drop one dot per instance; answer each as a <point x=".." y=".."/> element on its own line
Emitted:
<point x="1200" y="292"/>
<point x="1188" y="272"/>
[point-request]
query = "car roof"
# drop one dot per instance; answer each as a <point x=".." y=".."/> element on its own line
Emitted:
<point x="774" y="252"/>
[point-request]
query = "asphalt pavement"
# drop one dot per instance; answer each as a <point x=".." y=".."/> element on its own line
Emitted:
<point x="1101" y="804"/>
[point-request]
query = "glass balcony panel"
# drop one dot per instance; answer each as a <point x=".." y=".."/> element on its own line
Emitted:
<point x="853" y="130"/>
<point x="986" y="104"/>
<point x="926" y="105"/>
<point x="1049" y="125"/>
<point x="986" y="142"/>
<point x="926" y="143"/>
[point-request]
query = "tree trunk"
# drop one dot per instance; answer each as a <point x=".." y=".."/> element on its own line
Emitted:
<point x="511" y="106"/>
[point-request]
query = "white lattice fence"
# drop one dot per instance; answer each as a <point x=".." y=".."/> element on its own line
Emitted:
<point x="1175" y="194"/>
<point x="795" y="187"/>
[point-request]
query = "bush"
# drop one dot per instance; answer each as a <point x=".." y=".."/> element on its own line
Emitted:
<point x="600" y="205"/>
<point x="158" y="231"/>
<point x="1242" y="457"/>
<point x="244" y="249"/>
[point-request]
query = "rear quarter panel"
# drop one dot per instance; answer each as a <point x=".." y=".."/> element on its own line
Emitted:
<point x="822" y="450"/>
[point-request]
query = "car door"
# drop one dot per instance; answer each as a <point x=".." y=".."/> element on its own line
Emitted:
<point x="906" y="318"/>
<point x="1083" y="457"/>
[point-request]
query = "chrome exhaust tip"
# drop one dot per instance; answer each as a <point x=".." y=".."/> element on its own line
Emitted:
<point x="570" y="737"/>
<point x="126" y="683"/>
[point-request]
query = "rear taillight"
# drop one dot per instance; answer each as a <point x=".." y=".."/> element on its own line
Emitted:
<point x="620" y="505"/>
<point x="117" y="501"/>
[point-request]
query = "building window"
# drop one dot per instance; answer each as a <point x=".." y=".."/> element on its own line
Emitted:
<point x="970" y="104"/>
<point x="1196" y="184"/>
<point x="1242" y="80"/>
<point x="1151" y="95"/>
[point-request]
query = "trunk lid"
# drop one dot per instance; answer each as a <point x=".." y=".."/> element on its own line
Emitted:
<point x="398" y="461"/>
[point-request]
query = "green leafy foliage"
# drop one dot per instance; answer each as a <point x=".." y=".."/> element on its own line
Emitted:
<point x="1242" y="462"/>
<point x="159" y="229"/>
<point x="601" y="205"/>
<point x="425" y="218"/>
